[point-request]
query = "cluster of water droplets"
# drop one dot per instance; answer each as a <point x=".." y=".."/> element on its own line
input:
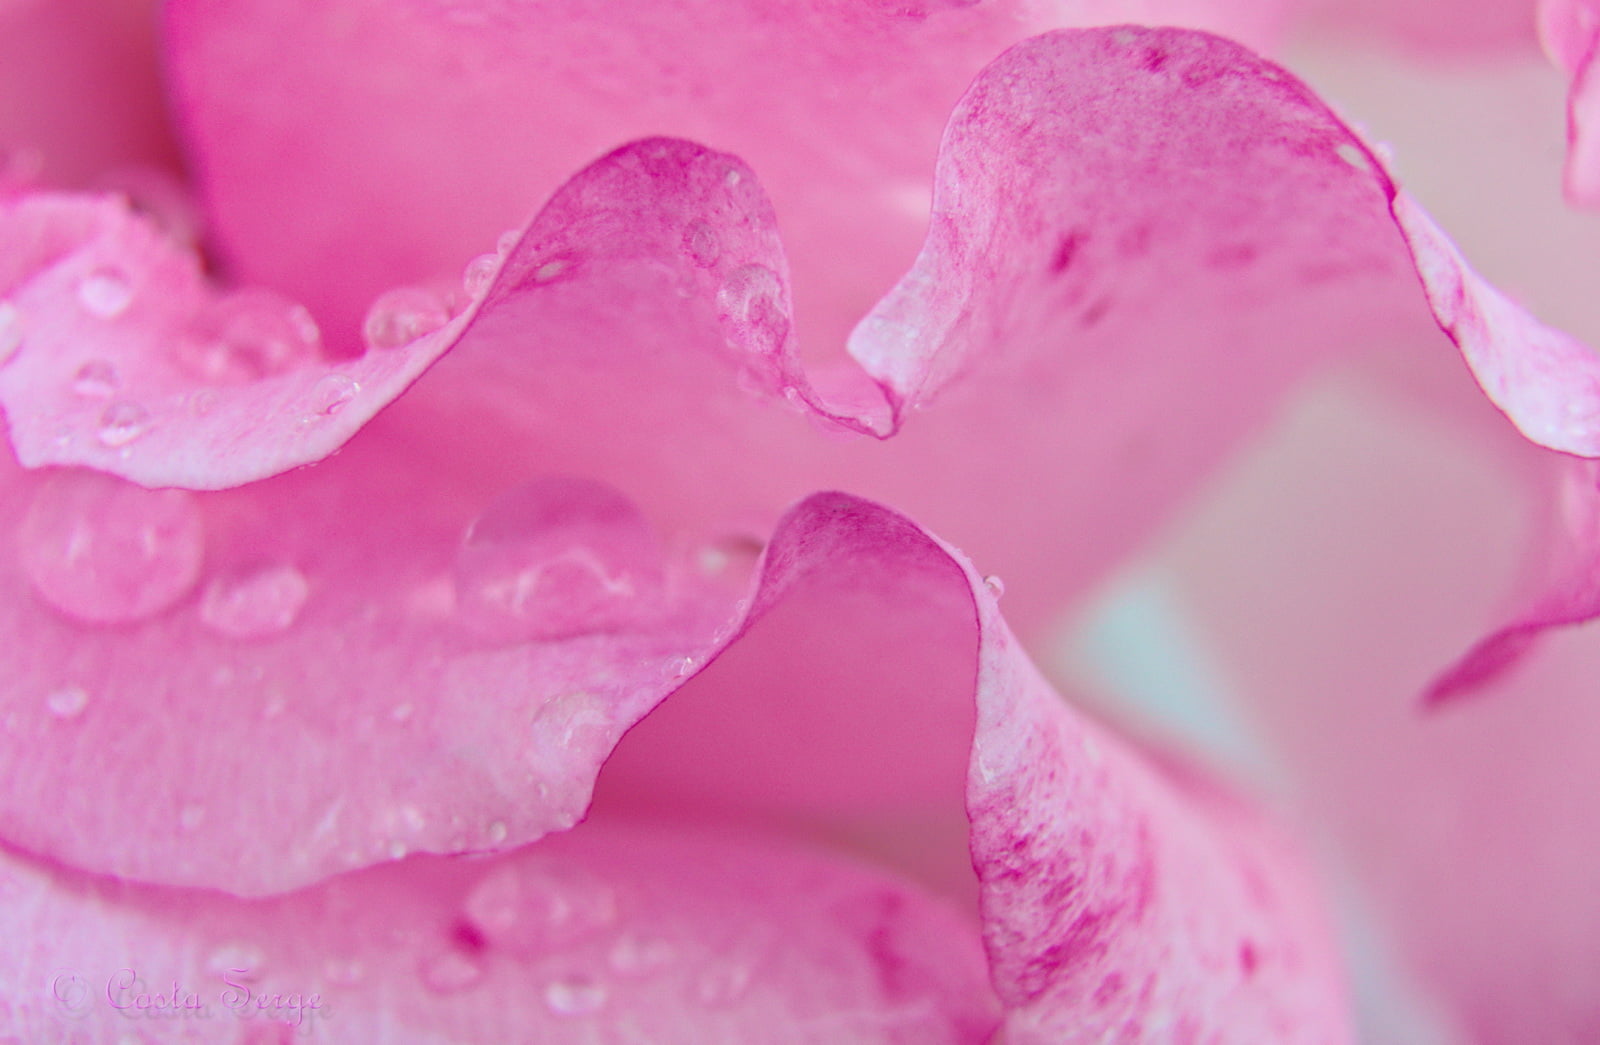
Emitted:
<point x="247" y="335"/>
<point x="255" y="602"/>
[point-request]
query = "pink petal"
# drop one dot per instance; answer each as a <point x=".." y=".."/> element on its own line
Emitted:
<point x="1261" y="222"/>
<point x="252" y="690"/>
<point x="1449" y="28"/>
<point x="1570" y="30"/>
<point x="80" y="95"/>
<point x="1336" y="571"/>
<point x="610" y="933"/>
<point x="461" y="117"/>
<point x="1123" y="898"/>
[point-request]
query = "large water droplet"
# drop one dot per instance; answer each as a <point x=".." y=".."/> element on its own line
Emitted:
<point x="751" y="303"/>
<point x="401" y="316"/>
<point x="106" y="292"/>
<point x="450" y="971"/>
<point x="249" y="335"/>
<point x="556" y="558"/>
<point x="103" y="550"/>
<point x="255" y="603"/>
<point x="96" y="379"/>
<point x="10" y="332"/>
<point x="67" y="702"/>
<point x="121" y="423"/>
<point x="575" y="995"/>
<point x="478" y="276"/>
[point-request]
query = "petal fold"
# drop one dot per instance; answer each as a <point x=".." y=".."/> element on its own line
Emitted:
<point x="1122" y="895"/>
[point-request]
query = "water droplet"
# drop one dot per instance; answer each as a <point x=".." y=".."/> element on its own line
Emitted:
<point x="638" y="955"/>
<point x="397" y="849"/>
<point x="191" y="817"/>
<point x="682" y="667"/>
<point x="556" y="558"/>
<point x="575" y="995"/>
<point x="67" y="702"/>
<point x="508" y="241"/>
<point x="401" y="316"/>
<point x="255" y="603"/>
<point x="106" y="292"/>
<point x="478" y="276"/>
<point x="236" y="956"/>
<point x="753" y="314"/>
<point x="10" y="332"/>
<point x="103" y="550"/>
<point x="332" y="393"/>
<point x="121" y="423"/>
<point x="703" y="244"/>
<point x="96" y="379"/>
<point x="551" y="271"/>
<point x="497" y="832"/>
<point x="996" y="586"/>
<point x="247" y="336"/>
<point x="450" y="971"/>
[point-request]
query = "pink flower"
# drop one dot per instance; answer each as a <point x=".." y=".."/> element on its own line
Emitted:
<point x="394" y="657"/>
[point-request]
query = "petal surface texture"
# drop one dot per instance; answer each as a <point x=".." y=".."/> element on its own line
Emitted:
<point x="607" y="934"/>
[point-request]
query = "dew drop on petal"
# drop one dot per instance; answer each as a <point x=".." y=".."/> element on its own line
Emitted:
<point x="106" y="292"/>
<point x="249" y="335"/>
<point x="96" y="379"/>
<point x="555" y="558"/>
<point x="702" y="244"/>
<point x="552" y="270"/>
<point x="508" y="241"/>
<point x="67" y="702"/>
<point x="496" y="832"/>
<point x="332" y="393"/>
<point x="996" y="586"/>
<point x="403" y="315"/>
<point x="102" y="550"/>
<point x="121" y="423"/>
<point x="752" y="310"/>
<point x="450" y="971"/>
<point x="10" y="332"/>
<point x="254" y="603"/>
<point x="479" y="274"/>
<point x="575" y="995"/>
